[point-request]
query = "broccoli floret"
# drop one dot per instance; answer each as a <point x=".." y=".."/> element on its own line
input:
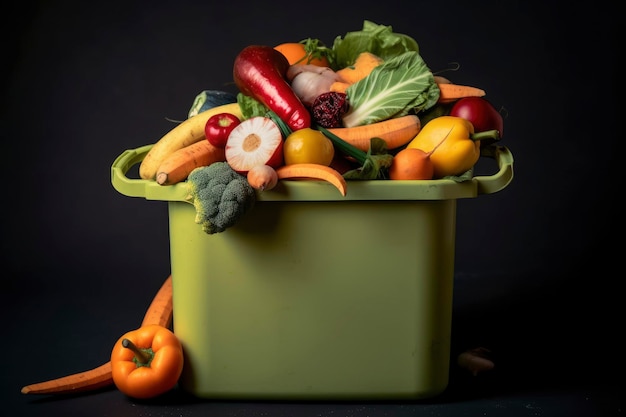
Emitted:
<point x="220" y="195"/>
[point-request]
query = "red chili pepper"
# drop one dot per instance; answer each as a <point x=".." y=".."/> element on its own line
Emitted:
<point x="260" y="72"/>
<point x="218" y="128"/>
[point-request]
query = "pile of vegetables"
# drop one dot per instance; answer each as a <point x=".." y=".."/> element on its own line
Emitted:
<point x="366" y="108"/>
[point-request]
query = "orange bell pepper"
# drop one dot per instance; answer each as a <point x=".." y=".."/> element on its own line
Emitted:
<point x="147" y="362"/>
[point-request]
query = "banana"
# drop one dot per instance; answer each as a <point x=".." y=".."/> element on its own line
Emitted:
<point x="189" y="131"/>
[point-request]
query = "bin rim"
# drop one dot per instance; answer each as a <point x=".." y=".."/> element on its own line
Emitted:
<point x="314" y="190"/>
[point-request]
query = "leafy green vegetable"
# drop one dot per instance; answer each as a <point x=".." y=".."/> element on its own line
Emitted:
<point x="377" y="39"/>
<point x="315" y="49"/>
<point x="250" y="107"/>
<point x="398" y="86"/>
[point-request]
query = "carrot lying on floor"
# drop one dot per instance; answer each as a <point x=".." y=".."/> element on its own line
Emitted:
<point x="159" y="312"/>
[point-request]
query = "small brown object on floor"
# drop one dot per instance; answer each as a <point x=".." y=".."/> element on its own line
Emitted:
<point x="476" y="360"/>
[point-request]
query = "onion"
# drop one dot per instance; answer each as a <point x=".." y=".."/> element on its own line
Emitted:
<point x="309" y="81"/>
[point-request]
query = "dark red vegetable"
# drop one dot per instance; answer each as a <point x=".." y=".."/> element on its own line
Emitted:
<point x="218" y="127"/>
<point x="260" y="72"/>
<point x="480" y="112"/>
<point x="328" y="109"/>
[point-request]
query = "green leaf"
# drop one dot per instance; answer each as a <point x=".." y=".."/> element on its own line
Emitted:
<point x="397" y="87"/>
<point x="376" y="163"/>
<point x="250" y="107"/>
<point x="379" y="40"/>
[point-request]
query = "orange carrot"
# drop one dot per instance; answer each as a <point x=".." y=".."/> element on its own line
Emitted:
<point x="450" y="92"/>
<point x="396" y="132"/>
<point x="339" y="87"/>
<point x="177" y="166"/>
<point x="91" y="380"/>
<point x="159" y="312"/>
<point x="363" y="65"/>
<point x="313" y="171"/>
<point x="161" y="308"/>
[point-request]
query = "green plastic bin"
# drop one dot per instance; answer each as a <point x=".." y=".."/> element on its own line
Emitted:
<point x="312" y="295"/>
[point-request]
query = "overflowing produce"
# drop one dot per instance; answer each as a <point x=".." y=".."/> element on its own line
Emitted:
<point x="184" y="134"/>
<point x="366" y="106"/>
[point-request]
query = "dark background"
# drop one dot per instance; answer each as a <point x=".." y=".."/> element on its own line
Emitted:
<point x="537" y="276"/>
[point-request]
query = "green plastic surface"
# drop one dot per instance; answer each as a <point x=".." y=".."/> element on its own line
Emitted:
<point x="316" y="300"/>
<point x="295" y="190"/>
<point x="326" y="297"/>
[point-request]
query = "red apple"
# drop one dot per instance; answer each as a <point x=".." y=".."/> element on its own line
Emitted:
<point x="218" y="128"/>
<point x="480" y="112"/>
<point x="255" y="141"/>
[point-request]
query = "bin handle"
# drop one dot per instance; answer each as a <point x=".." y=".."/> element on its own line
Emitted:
<point x="498" y="181"/>
<point x="151" y="190"/>
<point x="131" y="187"/>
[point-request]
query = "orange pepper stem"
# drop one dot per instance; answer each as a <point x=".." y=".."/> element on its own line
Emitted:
<point x="143" y="357"/>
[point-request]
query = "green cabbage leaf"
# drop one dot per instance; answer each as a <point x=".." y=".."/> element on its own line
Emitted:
<point x="401" y="85"/>
<point x="379" y="40"/>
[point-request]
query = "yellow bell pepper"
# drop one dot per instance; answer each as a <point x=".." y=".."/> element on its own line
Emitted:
<point x="454" y="147"/>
